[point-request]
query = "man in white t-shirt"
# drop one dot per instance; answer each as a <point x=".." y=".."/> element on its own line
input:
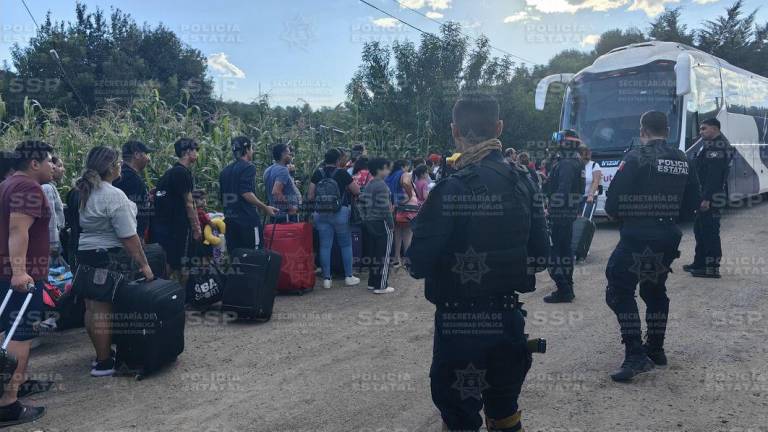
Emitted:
<point x="592" y="174"/>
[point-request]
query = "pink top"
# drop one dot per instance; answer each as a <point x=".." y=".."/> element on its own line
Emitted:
<point x="422" y="189"/>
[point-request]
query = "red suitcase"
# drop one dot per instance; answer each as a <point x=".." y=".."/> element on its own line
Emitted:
<point x="293" y="241"/>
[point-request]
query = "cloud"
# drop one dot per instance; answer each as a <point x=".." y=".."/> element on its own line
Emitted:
<point x="703" y="2"/>
<point x="433" y="4"/>
<point x="590" y="40"/>
<point x="220" y="63"/>
<point x="650" y="7"/>
<point x="434" y="15"/>
<point x="573" y="6"/>
<point x="523" y="16"/>
<point x="386" y="22"/>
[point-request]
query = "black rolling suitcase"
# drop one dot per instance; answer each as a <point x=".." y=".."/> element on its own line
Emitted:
<point x="251" y="283"/>
<point x="148" y="325"/>
<point x="583" y="231"/>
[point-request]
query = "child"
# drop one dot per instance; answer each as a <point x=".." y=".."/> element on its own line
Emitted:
<point x="376" y="212"/>
<point x="203" y="252"/>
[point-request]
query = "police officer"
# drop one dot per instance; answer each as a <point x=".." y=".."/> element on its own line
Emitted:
<point x="478" y="239"/>
<point x="711" y="164"/>
<point x="565" y="187"/>
<point x="651" y="190"/>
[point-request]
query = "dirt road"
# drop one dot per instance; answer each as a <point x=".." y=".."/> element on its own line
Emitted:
<point x="346" y="360"/>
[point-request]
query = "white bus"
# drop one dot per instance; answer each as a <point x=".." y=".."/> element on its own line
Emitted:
<point x="604" y="101"/>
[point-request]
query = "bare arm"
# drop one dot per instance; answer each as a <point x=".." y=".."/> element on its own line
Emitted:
<point x="18" y="244"/>
<point x="133" y="246"/>
<point x="253" y="200"/>
<point x="354" y="188"/>
<point x="597" y="177"/>
<point x="407" y="184"/>
<point x="192" y="216"/>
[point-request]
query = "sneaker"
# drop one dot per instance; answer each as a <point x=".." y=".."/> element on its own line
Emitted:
<point x="327" y="283"/>
<point x="112" y="354"/>
<point x="387" y="290"/>
<point x="351" y="281"/>
<point x="104" y="368"/>
<point x="18" y="413"/>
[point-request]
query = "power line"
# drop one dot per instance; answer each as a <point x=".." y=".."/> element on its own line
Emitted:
<point x="441" y="23"/>
<point x="55" y="55"/>
<point x="402" y="21"/>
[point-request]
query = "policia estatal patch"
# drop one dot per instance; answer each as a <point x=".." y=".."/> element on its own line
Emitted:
<point x="669" y="166"/>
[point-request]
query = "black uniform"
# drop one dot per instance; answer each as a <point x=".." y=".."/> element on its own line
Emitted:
<point x="478" y="239"/>
<point x="652" y="188"/>
<point x="566" y="187"/>
<point x="711" y="165"/>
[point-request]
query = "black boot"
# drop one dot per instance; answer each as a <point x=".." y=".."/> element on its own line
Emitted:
<point x="690" y="267"/>
<point x="654" y="349"/>
<point x="635" y="362"/>
<point x="706" y="272"/>
<point x="560" y="296"/>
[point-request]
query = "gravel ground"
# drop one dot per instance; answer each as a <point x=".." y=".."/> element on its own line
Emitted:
<point x="346" y="360"/>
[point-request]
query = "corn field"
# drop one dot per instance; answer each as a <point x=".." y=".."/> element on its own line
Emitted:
<point x="159" y="124"/>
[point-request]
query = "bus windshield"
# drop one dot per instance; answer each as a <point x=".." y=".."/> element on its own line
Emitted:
<point x="605" y="108"/>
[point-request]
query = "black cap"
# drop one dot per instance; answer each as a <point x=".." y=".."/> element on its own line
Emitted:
<point x="184" y="144"/>
<point x="132" y="147"/>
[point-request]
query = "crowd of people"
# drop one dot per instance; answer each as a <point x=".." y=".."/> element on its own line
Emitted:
<point x="407" y="213"/>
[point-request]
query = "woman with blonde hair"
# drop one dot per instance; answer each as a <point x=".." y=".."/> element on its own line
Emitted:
<point x="108" y="224"/>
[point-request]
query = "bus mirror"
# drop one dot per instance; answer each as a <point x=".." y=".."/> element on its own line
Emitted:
<point x="683" y="74"/>
<point x="543" y="87"/>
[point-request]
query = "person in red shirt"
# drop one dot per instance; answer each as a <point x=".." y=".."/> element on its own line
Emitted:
<point x="24" y="255"/>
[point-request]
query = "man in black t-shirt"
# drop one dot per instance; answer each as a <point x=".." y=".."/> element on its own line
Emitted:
<point x="241" y="206"/>
<point x="131" y="181"/>
<point x="175" y="225"/>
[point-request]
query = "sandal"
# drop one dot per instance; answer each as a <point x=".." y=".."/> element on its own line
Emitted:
<point x="18" y="413"/>
<point x="31" y="387"/>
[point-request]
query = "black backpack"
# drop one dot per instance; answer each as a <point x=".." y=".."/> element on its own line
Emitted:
<point x="327" y="193"/>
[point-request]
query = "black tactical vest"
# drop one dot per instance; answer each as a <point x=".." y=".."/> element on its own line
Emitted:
<point x="488" y="257"/>
<point x="658" y="182"/>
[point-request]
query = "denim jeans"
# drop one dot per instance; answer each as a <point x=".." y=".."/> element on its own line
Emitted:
<point x="327" y="224"/>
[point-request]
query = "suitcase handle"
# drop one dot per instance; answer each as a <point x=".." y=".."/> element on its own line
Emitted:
<point x="27" y="299"/>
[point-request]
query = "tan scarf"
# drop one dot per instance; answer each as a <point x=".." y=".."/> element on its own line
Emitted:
<point x="474" y="154"/>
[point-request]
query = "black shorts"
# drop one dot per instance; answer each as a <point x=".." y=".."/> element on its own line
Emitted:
<point x="176" y="243"/>
<point x="101" y="273"/>
<point x="240" y="236"/>
<point x="27" y="328"/>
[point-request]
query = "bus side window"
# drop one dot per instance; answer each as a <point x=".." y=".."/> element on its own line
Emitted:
<point x="710" y="92"/>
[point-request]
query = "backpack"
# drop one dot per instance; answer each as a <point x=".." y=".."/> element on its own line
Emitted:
<point x="395" y="188"/>
<point x="327" y="193"/>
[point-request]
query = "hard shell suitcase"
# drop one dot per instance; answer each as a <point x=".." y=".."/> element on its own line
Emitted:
<point x="148" y="325"/>
<point x="337" y="267"/>
<point x="583" y="232"/>
<point x="293" y="241"/>
<point x="251" y="283"/>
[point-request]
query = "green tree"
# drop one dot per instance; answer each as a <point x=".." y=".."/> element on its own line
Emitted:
<point x="729" y="36"/>
<point x="83" y="65"/>
<point x="617" y="38"/>
<point x="668" y="28"/>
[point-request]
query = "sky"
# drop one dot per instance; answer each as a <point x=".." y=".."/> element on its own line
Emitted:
<point x="306" y="51"/>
